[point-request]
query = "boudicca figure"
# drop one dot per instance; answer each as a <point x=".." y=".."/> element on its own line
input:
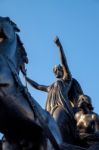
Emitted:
<point x="24" y="123"/>
<point x="58" y="103"/>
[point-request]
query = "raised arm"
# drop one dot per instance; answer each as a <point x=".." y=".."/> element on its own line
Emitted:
<point x="37" y="86"/>
<point x="67" y="74"/>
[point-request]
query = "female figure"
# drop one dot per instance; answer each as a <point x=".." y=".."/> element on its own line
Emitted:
<point x="58" y="104"/>
<point x="87" y="121"/>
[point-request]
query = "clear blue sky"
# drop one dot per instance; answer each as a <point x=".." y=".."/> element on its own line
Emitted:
<point x="76" y="22"/>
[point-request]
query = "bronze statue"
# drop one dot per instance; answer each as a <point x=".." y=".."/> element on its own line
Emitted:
<point x="87" y="121"/>
<point x="21" y="117"/>
<point x="58" y="103"/>
<point x="25" y="125"/>
<point x="60" y="95"/>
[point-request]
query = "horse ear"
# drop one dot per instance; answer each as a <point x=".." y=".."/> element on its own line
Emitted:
<point x="13" y="24"/>
<point x="15" y="27"/>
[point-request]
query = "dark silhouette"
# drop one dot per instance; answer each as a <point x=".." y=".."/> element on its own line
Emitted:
<point x="22" y="118"/>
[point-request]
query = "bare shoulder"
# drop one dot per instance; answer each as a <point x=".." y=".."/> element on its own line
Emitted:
<point x="78" y="115"/>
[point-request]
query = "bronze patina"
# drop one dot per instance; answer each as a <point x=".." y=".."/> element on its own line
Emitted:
<point x="24" y="123"/>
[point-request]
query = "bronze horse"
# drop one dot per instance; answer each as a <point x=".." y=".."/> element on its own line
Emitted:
<point x="23" y="122"/>
<point x="22" y="119"/>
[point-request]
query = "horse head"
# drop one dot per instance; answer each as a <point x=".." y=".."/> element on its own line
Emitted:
<point x="22" y="120"/>
<point x="10" y="43"/>
<point x="11" y="48"/>
<point x="7" y="36"/>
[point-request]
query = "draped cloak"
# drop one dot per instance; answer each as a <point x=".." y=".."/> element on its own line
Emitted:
<point x="58" y="96"/>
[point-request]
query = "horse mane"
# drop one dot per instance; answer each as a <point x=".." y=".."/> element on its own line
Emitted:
<point x="22" y="56"/>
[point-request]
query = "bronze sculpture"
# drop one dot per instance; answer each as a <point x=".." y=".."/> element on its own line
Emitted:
<point x="73" y="91"/>
<point x="25" y="125"/>
<point x="19" y="112"/>
<point x="87" y="121"/>
<point x="58" y="103"/>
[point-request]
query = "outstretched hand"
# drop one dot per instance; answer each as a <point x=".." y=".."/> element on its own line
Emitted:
<point x="57" y="41"/>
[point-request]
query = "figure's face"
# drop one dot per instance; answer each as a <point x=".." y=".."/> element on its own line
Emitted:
<point x="84" y="101"/>
<point x="81" y="103"/>
<point x="58" y="71"/>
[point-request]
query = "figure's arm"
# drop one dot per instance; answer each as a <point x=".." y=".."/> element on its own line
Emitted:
<point x="67" y="74"/>
<point x="37" y="86"/>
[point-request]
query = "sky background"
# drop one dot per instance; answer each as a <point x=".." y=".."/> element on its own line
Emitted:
<point x="76" y="22"/>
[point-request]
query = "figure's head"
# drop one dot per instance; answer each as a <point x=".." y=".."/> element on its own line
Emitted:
<point x="85" y="101"/>
<point x="58" y="71"/>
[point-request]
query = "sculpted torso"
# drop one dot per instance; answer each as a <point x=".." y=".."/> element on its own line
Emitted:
<point x="85" y="122"/>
